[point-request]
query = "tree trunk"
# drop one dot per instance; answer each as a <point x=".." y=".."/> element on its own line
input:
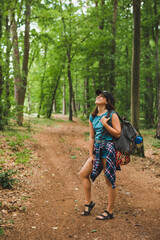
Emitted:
<point x="26" y="52"/>
<point x="148" y="95"/>
<point x="16" y="64"/>
<point x="74" y="104"/>
<point x="7" y="84"/>
<point x="64" y="97"/>
<point x="42" y="80"/>
<point x="127" y="77"/>
<point x="157" y="104"/>
<point x="158" y="125"/>
<point x="20" y="82"/>
<point x="113" y="48"/>
<point x="68" y="45"/>
<point x="70" y="86"/>
<point x="53" y="97"/>
<point x="87" y="105"/>
<point x="54" y="105"/>
<point x="1" y="74"/>
<point x="102" y="69"/>
<point x="135" y="65"/>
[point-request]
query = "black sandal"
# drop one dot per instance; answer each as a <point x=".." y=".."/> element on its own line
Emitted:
<point x="108" y="216"/>
<point x="90" y="206"/>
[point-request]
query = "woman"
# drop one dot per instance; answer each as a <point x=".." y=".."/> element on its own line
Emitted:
<point x="101" y="152"/>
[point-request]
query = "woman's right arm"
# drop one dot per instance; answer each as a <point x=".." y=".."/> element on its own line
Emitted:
<point x="91" y="141"/>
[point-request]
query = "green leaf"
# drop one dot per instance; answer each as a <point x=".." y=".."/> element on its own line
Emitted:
<point x="94" y="230"/>
<point x="152" y="43"/>
<point x="73" y="157"/>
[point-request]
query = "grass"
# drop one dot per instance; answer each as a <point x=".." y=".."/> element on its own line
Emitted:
<point x="150" y="142"/>
<point x="46" y="121"/>
<point x="86" y="135"/>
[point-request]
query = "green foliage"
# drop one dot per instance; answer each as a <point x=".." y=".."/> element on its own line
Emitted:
<point x="23" y="156"/>
<point x="1" y="230"/>
<point x="86" y="134"/>
<point x="6" y="180"/>
<point x="156" y="144"/>
<point x="46" y="121"/>
<point x="15" y="143"/>
<point x="86" y="32"/>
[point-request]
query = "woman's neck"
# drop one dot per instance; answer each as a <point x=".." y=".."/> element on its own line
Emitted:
<point x="101" y="110"/>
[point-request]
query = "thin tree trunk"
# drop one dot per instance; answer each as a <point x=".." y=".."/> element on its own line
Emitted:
<point x="148" y="95"/>
<point x="87" y="105"/>
<point x="26" y="51"/>
<point x="101" y="61"/>
<point x="70" y="86"/>
<point x="42" y="81"/>
<point x="135" y="66"/>
<point x="127" y="99"/>
<point x="54" y="105"/>
<point x="113" y="50"/>
<point x="157" y="103"/>
<point x="158" y="125"/>
<point x="64" y="97"/>
<point x="68" y="45"/>
<point x="7" y="84"/>
<point x="74" y="104"/>
<point x="16" y="65"/>
<point x="1" y="75"/>
<point x="53" y="96"/>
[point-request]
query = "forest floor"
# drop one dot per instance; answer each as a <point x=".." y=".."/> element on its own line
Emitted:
<point x="50" y="195"/>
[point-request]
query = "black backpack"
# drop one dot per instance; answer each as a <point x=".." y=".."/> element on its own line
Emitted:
<point x="126" y="142"/>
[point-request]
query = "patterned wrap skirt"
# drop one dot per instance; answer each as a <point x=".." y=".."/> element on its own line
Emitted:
<point x="106" y="150"/>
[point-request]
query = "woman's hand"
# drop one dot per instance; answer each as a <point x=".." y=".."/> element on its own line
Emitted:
<point x="104" y="120"/>
<point x="91" y="159"/>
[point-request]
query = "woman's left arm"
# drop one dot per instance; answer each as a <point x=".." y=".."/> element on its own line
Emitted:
<point x="115" y="130"/>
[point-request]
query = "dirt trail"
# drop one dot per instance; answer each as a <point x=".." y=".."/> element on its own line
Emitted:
<point x="57" y="197"/>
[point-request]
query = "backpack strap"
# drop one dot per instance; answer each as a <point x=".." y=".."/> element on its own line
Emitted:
<point x="109" y="113"/>
<point x="107" y="116"/>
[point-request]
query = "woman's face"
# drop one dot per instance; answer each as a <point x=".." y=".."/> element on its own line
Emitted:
<point x="101" y="100"/>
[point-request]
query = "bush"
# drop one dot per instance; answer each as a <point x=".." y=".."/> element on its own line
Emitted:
<point x="6" y="180"/>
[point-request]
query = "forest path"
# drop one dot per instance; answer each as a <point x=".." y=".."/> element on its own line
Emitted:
<point x="57" y="200"/>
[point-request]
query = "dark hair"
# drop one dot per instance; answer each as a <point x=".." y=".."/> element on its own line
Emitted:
<point x="109" y="107"/>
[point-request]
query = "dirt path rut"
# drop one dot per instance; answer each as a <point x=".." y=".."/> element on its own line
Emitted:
<point x="57" y="197"/>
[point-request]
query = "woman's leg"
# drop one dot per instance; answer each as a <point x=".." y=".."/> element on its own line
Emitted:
<point x="111" y="194"/>
<point x="86" y="183"/>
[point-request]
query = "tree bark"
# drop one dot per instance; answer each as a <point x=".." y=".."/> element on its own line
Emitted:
<point x="68" y="45"/>
<point x="20" y="81"/>
<point x="148" y="94"/>
<point x="15" y="55"/>
<point x="158" y="125"/>
<point x="70" y="86"/>
<point x="54" y="94"/>
<point x="113" y="48"/>
<point x="74" y="104"/>
<point x="42" y="80"/>
<point x="87" y="105"/>
<point x="64" y="97"/>
<point x="1" y="74"/>
<point x="135" y="104"/>
<point x="26" y="51"/>
<point x="7" y="81"/>
<point x="101" y="61"/>
<point x="157" y="103"/>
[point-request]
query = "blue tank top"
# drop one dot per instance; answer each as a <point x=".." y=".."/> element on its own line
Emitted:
<point x="98" y="126"/>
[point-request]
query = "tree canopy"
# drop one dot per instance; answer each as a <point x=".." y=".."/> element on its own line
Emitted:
<point x="54" y="54"/>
